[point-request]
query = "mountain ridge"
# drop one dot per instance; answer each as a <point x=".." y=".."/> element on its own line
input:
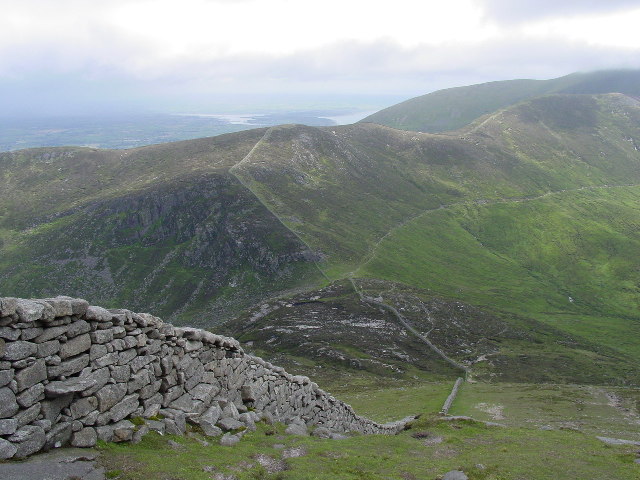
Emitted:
<point x="222" y="224"/>
<point x="453" y="108"/>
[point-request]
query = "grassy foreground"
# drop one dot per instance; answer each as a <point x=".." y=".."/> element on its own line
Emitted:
<point x="432" y="447"/>
<point x="480" y="451"/>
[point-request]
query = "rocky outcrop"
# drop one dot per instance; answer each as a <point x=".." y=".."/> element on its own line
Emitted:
<point x="71" y="373"/>
<point x="216" y="249"/>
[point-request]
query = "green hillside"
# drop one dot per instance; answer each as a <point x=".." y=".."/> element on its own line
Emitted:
<point x="527" y="217"/>
<point x="530" y="212"/>
<point x="162" y="228"/>
<point x="343" y="189"/>
<point x="453" y="108"/>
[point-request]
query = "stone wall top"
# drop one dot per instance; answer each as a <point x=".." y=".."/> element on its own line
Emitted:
<point x="21" y="312"/>
<point x="72" y="373"/>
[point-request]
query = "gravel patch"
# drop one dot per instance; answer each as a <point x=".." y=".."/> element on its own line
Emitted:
<point x="270" y="464"/>
<point x="294" y="452"/>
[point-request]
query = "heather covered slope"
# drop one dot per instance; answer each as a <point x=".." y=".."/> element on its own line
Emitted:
<point x="453" y="108"/>
<point x="162" y="228"/>
<point x="342" y="189"/>
<point x="46" y="181"/>
<point x="529" y="214"/>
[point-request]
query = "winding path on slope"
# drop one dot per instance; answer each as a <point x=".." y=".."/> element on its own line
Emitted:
<point x="481" y="203"/>
<point x="235" y="170"/>
<point x="372" y="251"/>
<point x="408" y="326"/>
<point x="459" y="381"/>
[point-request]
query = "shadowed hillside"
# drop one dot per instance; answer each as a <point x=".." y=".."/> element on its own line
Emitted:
<point x="162" y="228"/>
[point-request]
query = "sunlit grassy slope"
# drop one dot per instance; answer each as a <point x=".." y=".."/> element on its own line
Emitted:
<point x="566" y="259"/>
<point x="532" y="210"/>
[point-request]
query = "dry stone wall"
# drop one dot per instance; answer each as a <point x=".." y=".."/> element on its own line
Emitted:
<point x="71" y="373"/>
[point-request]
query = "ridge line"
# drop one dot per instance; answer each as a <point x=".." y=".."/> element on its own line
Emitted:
<point x="233" y="171"/>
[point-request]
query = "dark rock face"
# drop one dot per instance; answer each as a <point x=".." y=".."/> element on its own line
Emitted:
<point x="182" y="246"/>
<point x="139" y="367"/>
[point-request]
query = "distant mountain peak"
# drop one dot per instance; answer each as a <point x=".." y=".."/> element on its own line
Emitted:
<point x="453" y="108"/>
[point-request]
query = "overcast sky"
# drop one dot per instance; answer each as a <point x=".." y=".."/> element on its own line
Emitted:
<point x="67" y="55"/>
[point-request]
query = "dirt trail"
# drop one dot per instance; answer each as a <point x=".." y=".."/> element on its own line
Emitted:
<point x="618" y="403"/>
<point x="409" y="327"/>
<point x="234" y="170"/>
<point x="370" y="255"/>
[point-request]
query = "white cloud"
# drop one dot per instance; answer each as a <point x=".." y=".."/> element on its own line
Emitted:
<point x="615" y="29"/>
<point x="509" y="11"/>
<point x="412" y="46"/>
<point x="146" y="33"/>
<point x="286" y="26"/>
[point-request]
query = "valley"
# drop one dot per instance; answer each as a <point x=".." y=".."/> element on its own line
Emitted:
<point x="122" y="130"/>
<point x="522" y="223"/>
<point x="383" y="263"/>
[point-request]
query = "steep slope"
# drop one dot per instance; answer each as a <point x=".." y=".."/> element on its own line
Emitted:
<point x="532" y="211"/>
<point x="162" y="228"/>
<point x="528" y="215"/>
<point x="46" y="181"/>
<point x="454" y="108"/>
<point x="344" y="188"/>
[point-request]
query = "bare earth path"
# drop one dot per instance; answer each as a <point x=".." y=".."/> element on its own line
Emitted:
<point x="372" y="251"/>
<point x="480" y="202"/>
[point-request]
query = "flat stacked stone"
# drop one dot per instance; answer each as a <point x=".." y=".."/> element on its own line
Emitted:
<point x="72" y="373"/>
